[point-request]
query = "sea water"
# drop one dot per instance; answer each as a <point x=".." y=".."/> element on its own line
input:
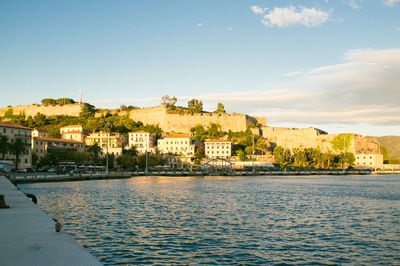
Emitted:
<point x="231" y="220"/>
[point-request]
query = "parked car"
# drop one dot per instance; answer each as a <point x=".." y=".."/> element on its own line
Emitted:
<point x="51" y="170"/>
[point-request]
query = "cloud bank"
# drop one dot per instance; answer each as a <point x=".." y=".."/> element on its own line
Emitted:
<point x="290" y="16"/>
<point x="364" y="89"/>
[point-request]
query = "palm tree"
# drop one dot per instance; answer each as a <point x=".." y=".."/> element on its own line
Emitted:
<point x="17" y="147"/>
<point x="4" y="145"/>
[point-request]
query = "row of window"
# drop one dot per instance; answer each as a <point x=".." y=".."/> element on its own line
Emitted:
<point x="216" y="152"/>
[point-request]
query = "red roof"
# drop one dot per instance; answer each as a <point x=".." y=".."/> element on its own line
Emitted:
<point x="72" y="126"/>
<point x="58" y="140"/>
<point x="140" y="131"/>
<point x="177" y="136"/>
<point x="14" y="126"/>
<point x="217" y="140"/>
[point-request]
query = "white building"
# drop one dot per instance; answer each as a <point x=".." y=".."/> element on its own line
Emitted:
<point x="39" y="133"/>
<point x="176" y="144"/>
<point x="143" y="141"/>
<point x="218" y="148"/>
<point x="13" y="131"/>
<point x="374" y="161"/>
<point x="73" y="132"/>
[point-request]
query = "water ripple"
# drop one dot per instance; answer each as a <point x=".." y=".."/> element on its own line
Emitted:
<point x="231" y="221"/>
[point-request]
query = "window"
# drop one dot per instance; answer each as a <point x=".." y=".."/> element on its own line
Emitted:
<point x="4" y="130"/>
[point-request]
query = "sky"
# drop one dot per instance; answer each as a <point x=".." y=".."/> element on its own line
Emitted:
<point x="334" y="65"/>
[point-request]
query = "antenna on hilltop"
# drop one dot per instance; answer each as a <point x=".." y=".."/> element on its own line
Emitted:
<point x="80" y="97"/>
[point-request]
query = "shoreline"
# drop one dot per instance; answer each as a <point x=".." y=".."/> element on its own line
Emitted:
<point x="35" y="178"/>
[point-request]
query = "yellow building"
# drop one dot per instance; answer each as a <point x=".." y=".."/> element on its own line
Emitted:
<point x="114" y="140"/>
<point x="176" y="144"/>
<point x="374" y="161"/>
<point x="143" y="141"/>
<point x="218" y="148"/>
<point x="73" y="132"/>
<point x="42" y="146"/>
<point x="13" y="131"/>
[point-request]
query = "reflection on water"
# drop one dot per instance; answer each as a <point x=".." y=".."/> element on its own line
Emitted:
<point x="253" y="220"/>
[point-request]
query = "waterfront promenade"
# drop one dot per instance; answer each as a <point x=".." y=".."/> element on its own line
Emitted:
<point x="28" y="235"/>
<point x="40" y="177"/>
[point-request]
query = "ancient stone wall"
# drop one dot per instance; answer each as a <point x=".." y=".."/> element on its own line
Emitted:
<point x="312" y="138"/>
<point x="182" y="123"/>
<point x="49" y="110"/>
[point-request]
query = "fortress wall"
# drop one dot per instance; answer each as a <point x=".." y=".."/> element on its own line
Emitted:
<point x="181" y="123"/>
<point x="49" y="110"/>
<point x="312" y="138"/>
<point x="261" y="120"/>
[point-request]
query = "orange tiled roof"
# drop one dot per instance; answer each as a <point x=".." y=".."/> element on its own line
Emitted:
<point x="72" y="126"/>
<point x="140" y="131"/>
<point x="58" y="140"/>
<point x="177" y="136"/>
<point x="14" y="126"/>
<point x="217" y="140"/>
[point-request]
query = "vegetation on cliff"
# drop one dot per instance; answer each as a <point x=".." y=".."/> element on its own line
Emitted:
<point x="311" y="158"/>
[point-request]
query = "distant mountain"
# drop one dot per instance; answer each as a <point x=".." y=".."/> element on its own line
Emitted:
<point x="392" y="143"/>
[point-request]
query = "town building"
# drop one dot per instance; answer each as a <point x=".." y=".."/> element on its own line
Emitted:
<point x="176" y="144"/>
<point x="39" y="133"/>
<point x="218" y="148"/>
<point x="374" y="161"/>
<point x="114" y="140"/>
<point x="74" y="132"/>
<point x="143" y="141"/>
<point x="14" y="132"/>
<point x="42" y="146"/>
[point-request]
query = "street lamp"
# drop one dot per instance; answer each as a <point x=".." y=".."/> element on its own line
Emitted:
<point x="107" y="125"/>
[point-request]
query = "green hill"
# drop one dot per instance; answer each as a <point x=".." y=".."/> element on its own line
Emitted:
<point x="392" y="143"/>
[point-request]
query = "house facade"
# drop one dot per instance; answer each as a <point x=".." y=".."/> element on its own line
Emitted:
<point x="14" y="132"/>
<point x="111" y="141"/>
<point x="42" y="146"/>
<point x="369" y="160"/>
<point x="176" y="144"/>
<point x="143" y="141"/>
<point x="218" y="148"/>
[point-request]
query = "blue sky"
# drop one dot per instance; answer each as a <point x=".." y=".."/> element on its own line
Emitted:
<point x="334" y="65"/>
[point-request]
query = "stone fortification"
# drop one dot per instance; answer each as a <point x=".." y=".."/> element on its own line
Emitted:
<point x="48" y="110"/>
<point x="313" y="137"/>
<point x="182" y="123"/>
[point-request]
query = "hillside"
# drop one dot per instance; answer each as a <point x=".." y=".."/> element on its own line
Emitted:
<point x="392" y="143"/>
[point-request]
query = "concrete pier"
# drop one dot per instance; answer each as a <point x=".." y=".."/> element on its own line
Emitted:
<point x="28" y="235"/>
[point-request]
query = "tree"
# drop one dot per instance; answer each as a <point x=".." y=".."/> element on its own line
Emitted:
<point x="220" y="109"/>
<point x="94" y="150"/>
<point x="126" y="161"/>
<point x="39" y="119"/>
<point x="17" y="147"/>
<point x="4" y="145"/>
<point x="168" y="102"/>
<point x="342" y="141"/>
<point x="123" y="107"/>
<point x="241" y="155"/>
<point x="87" y="111"/>
<point x="195" y="106"/>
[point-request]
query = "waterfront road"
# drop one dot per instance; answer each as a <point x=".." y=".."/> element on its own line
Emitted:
<point x="28" y="235"/>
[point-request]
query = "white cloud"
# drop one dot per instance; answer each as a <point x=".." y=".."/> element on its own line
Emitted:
<point x="290" y="74"/>
<point x="201" y="25"/>
<point x="354" y="4"/>
<point x="365" y="89"/>
<point x="390" y="3"/>
<point x="229" y="28"/>
<point x="290" y="16"/>
<point x="258" y="10"/>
